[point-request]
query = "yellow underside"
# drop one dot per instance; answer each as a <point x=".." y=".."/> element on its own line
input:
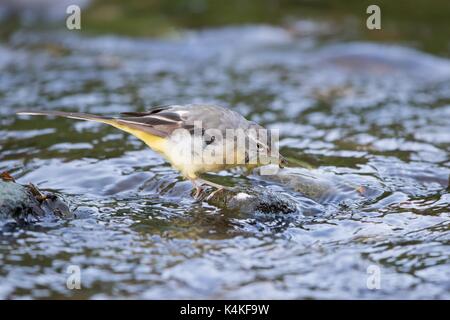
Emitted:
<point x="156" y="143"/>
<point x="159" y="145"/>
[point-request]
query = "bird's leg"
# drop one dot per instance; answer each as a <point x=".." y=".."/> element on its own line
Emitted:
<point x="198" y="189"/>
<point x="212" y="194"/>
<point x="213" y="184"/>
<point x="219" y="187"/>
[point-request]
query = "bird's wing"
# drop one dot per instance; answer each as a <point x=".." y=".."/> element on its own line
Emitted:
<point x="159" y="121"/>
<point x="160" y="124"/>
<point x="166" y="119"/>
<point x="211" y="117"/>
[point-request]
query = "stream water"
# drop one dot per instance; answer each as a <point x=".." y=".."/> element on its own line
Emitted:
<point x="374" y="115"/>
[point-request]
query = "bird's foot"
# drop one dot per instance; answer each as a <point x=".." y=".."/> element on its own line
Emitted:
<point x="212" y="194"/>
<point x="198" y="193"/>
<point x="215" y="185"/>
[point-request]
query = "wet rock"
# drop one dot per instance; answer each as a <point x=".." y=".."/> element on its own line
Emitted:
<point x="27" y="203"/>
<point x="256" y="199"/>
<point x="323" y="187"/>
<point x="319" y="186"/>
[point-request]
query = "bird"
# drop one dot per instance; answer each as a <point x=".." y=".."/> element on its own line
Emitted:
<point x="194" y="138"/>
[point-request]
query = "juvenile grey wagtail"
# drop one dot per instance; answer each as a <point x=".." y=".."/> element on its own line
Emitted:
<point x="160" y="128"/>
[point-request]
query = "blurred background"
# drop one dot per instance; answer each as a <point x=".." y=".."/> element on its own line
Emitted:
<point x="420" y="23"/>
<point x="364" y="119"/>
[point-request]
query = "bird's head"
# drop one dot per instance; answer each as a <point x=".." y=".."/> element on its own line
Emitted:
<point x="263" y="147"/>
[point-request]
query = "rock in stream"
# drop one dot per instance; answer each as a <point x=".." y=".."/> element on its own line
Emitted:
<point x="26" y="203"/>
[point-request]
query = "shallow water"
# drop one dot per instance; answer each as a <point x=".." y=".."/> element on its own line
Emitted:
<point x="368" y="114"/>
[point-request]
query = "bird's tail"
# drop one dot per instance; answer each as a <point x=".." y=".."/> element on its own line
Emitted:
<point x="145" y="133"/>
<point x="72" y="115"/>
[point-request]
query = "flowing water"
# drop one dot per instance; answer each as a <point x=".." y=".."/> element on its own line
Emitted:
<point x="376" y="116"/>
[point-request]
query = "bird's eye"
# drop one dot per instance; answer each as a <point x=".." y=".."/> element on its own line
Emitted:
<point x="258" y="145"/>
<point x="211" y="140"/>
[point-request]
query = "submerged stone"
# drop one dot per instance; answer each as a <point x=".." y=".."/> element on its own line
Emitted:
<point x="24" y="203"/>
<point x="323" y="187"/>
<point x="255" y="199"/>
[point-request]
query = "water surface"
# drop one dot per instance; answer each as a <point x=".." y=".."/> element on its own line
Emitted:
<point x="371" y="115"/>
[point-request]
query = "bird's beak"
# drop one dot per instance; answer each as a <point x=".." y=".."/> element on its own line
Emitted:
<point x="283" y="162"/>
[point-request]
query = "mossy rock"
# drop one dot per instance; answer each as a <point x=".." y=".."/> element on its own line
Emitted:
<point x="27" y="203"/>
